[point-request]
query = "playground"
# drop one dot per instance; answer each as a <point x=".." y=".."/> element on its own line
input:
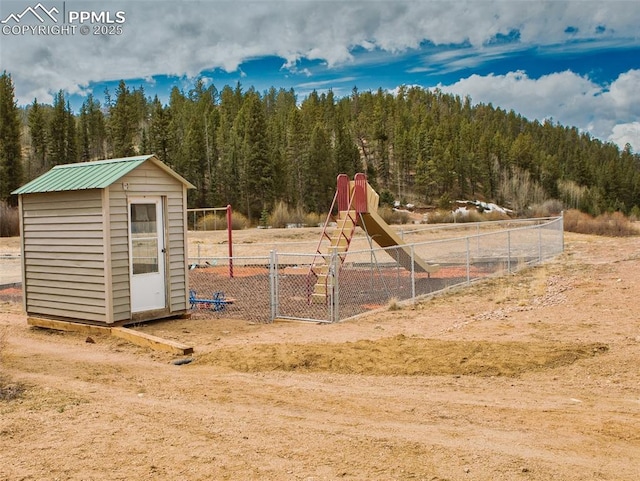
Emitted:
<point x="528" y="376"/>
<point x="359" y="264"/>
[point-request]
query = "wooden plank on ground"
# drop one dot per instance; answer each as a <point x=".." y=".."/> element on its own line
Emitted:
<point x="135" y="337"/>
<point x="67" y="326"/>
<point x="147" y="340"/>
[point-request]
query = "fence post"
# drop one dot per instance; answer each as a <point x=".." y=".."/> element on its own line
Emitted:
<point x="468" y="261"/>
<point x="329" y="284"/>
<point x="413" y="274"/>
<point x="539" y="245"/>
<point x="273" y="284"/>
<point x="230" y="239"/>
<point x="562" y="231"/>
<point x="371" y="263"/>
<point x="509" y="251"/>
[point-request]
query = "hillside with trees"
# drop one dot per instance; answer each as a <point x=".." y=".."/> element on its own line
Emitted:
<point x="255" y="150"/>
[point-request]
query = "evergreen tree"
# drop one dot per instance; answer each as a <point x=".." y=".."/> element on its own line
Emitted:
<point x="178" y="123"/>
<point x="58" y="130"/>
<point x="295" y="158"/>
<point x="279" y="106"/>
<point x="159" y="132"/>
<point x="10" y="149"/>
<point x="62" y="141"/>
<point x="380" y="135"/>
<point x="71" y="147"/>
<point x="320" y="172"/>
<point x="97" y="132"/>
<point x="38" y="133"/>
<point x="83" y="134"/>
<point x="122" y="122"/>
<point x="200" y="140"/>
<point x="346" y="154"/>
<point x="144" y="141"/>
<point x="257" y="172"/>
<point x="228" y="146"/>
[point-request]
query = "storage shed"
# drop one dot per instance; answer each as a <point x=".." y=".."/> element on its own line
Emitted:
<point x="105" y="242"/>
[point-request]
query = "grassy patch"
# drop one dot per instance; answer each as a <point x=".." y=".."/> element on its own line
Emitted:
<point x="9" y="221"/>
<point x="10" y="390"/>
<point x="613" y="224"/>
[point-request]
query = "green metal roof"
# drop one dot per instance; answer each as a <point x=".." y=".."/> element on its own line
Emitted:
<point x="89" y="175"/>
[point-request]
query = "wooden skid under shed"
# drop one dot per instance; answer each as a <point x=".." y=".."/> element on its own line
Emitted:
<point x="135" y="337"/>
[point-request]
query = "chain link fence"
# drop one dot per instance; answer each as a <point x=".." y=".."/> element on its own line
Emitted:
<point x="281" y="285"/>
<point x="243" y="284"/>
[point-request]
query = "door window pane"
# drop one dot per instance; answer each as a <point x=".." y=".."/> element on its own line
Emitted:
<point x="145" y="256"/>
<point x="143" y="219"/>
<point x="144" y="238"/>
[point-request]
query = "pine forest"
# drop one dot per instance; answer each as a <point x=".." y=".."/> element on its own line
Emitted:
<point x="255" y="150"/>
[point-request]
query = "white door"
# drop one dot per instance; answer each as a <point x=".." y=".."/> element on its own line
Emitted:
<point x="146" y="237"/>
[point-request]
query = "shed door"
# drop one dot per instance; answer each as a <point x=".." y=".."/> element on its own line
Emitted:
<point x="146" y="234"/>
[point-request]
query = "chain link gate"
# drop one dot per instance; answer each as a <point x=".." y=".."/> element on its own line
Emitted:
<point x="293" y="284"/>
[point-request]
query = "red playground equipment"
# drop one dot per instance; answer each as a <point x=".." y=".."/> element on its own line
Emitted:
<point x="357" y="205"/>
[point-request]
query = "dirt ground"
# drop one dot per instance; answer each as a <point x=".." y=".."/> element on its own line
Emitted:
<point x="535" y="376"/>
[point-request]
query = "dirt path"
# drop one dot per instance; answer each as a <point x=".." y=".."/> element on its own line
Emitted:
<point x="531" y="377"/>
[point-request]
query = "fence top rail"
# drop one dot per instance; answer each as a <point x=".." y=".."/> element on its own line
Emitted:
<point x="207" y="209"/>
<point x="234" y="258"/>
<point x="381" y="249"/>
<point x="469" y="225"/>
<point x="461" y="238"/>
<point x="275" y="246"/>
<point x="547" y="222"/>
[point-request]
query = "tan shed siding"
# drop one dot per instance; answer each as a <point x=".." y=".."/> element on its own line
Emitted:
<point x="177" y="251"/>
<point x="43" y="208"/>
<point x="66" y="313"/>
<point x="119" y="252"/>
<point x="64" y="254"/>
<point x="149" y="180"/>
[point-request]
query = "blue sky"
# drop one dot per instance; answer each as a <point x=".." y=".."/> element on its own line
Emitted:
<point x="576" y="62"/>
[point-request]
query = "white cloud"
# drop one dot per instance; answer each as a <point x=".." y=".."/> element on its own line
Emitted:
<point x="568" y="98"/>
<point x="324" y="83"/>
<point x="624" y="92"/>
<point x="623" y="134"/>
<point x="183" y="38"/>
